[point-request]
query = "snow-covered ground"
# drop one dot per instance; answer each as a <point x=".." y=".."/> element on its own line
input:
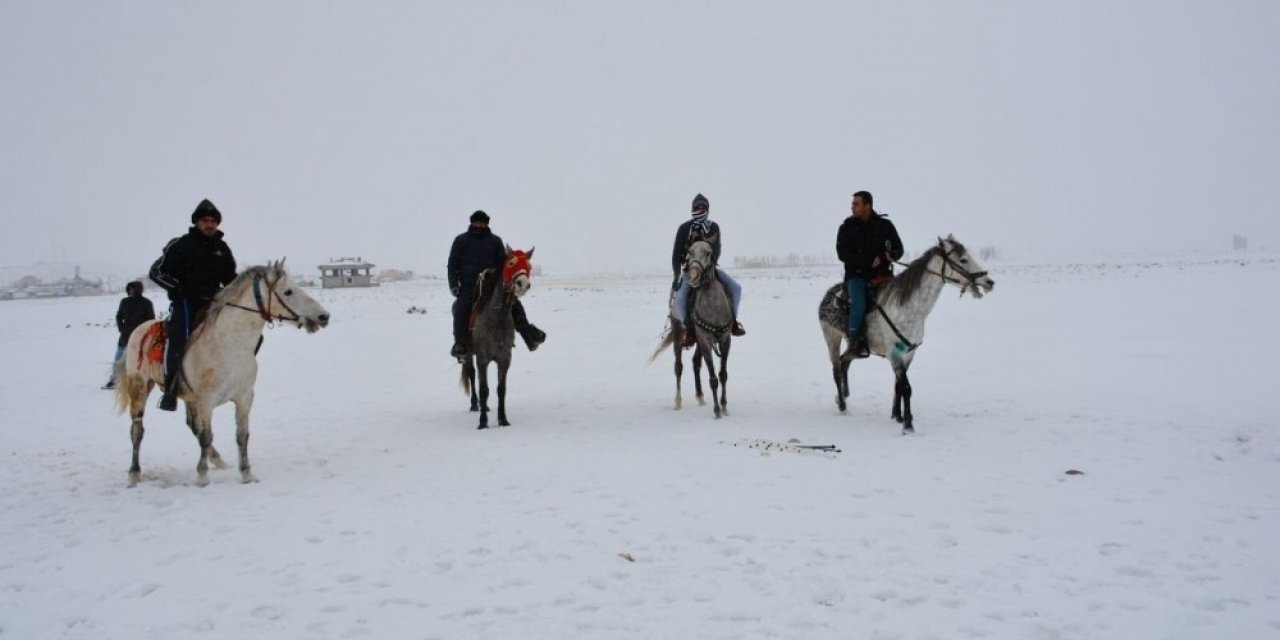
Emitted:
<point x="603" y="513"/>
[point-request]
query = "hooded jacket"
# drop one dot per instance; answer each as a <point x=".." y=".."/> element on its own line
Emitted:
<point x="132" y="312"/>
<point x="472" y="252"/>
<point x="195" y="266"/>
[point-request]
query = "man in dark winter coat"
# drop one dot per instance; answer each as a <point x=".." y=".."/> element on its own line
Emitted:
<point x="472" y="252"/>
<point x="193" y="269"/>
<point x="700" y="227"/>
<point x="134" y="310"/>
<point x="868" y="245"/>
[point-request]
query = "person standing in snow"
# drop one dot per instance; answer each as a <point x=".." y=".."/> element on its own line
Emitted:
<point x="699" y="227"/>
<point x="868" y="244"/>
<point x="134" y="310"/>
<point x="474" y="251"/>
<point x="193" y="269"/>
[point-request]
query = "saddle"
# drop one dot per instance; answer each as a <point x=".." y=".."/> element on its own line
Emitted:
<point x="151" y="347"/>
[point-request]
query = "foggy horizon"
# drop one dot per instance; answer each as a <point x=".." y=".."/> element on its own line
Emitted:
<point x="586" y="129"/>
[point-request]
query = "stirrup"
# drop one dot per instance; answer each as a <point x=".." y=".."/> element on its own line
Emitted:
<point x="168" y="402"/>
<point x="737" y="330"/>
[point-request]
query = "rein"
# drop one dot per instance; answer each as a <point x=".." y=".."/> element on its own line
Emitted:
<point x="264" y="310"/>
<point x="970" y="277"/>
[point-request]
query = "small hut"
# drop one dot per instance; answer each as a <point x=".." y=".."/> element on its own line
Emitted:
<point x="346" y="272"/>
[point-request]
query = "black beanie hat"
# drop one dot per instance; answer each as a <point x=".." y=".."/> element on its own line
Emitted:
<point x="701" y="200"/>
<point x="206" y="209"/>
<point x="479" y="216"/>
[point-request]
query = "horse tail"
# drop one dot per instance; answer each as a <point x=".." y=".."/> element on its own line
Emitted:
<point x="668" y="339"/>
<point x="128" y="386"/>
<point x="468" y="372"/>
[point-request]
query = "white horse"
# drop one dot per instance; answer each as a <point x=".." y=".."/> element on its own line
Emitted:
<point x="711" y="314"/>
<point x="220" y="364"/>
<point x="895" y="320"/>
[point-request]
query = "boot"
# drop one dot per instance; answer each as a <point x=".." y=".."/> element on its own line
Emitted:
<point x="533" y="336"/>
<point x="860" y="349"/>
<point x="169" y="400"/>
<point x="737" y="330"/>
<point x="111" y="384"/>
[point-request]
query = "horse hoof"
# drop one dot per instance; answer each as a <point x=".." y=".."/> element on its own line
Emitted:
<point x="475" y="409"/>
<point x="908" y="430"/>
<point x="248" y="478"/>
<point x="133" y="480"/>
<point x="483" y="426"/>
<point x="701" y="402"/>
<point x="897" y="419"/>
<point x="202" y="481"/>
<point x="503" y="423"/>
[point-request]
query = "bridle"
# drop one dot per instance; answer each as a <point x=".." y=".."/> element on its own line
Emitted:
<point x="264" y="306"/>
<point x="970" y="278"/>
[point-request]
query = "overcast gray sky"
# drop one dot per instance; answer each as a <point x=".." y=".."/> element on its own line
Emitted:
<point x="585" y="128"/>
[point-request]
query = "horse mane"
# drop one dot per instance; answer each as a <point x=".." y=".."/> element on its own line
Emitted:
<point x="907" y="283"/>
<point x="237" y="287"/>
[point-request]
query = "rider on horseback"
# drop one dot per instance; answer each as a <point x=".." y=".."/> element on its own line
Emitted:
<point x="192" y="269"/>
<point x="867" y="244"/>
<point x="474" y="251"/>
<point x="700" y="227"/>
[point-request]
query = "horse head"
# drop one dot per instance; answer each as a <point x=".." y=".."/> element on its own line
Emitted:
<point x="515" y="271"/>
<point x="961" y="269"/>
<point x="287" y="303"/>
<point x="699" y="262"/>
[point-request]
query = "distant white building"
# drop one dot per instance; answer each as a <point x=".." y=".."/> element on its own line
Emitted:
<point x="346" y="272"/>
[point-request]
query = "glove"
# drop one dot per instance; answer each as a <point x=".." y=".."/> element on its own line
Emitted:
<point x="675" y="284"/>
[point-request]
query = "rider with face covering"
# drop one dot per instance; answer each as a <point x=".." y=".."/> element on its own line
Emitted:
<point x="472" y="252"/>
<point x="699" y="227"/>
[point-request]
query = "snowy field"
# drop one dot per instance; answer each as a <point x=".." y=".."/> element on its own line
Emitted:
<point x="603" y="513"/>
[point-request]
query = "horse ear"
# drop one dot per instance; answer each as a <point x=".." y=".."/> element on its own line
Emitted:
<point x="951" y="237"/>
<point x="530" y="254"/>
<point x="506" y="247"/>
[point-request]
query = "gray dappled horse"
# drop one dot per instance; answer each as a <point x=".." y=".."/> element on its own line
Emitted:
<point x="493" y="332"/>
<point x="221" y="362"/>
<point x="711" y="314"/>
<point x="895" y="320"/>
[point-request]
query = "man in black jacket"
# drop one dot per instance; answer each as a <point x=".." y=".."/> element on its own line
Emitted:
<point x="193" y="269"/>
<point x="134" y="310"/>
<point x="867" y="244"/>
<point x="700" y="227"/>
<point x="472" y="252"/>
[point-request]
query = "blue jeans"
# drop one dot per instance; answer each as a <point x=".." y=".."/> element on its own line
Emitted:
<point x="857" y="290"/>
<point x="731" y="286"/>
<point x="119" y="354"/>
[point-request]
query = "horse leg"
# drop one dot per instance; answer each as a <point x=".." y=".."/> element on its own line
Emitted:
<point x="214" y="457"/>
<point x="243" y="405"/>
<point x="137" y="406"/>
<point x="907" y="426"/>
<point x="897" y="394"/>
<point x="713" y="381"/>
<point x="475" y="401"/>
<point x="503" y="365"/>
<point x="679" y="371"/>
<point x="204" y="435"/>
<point x="698" y="358"/>
<point x="482" y="371"/>
<point x="837" y="368"/>
<point x="724" y="376"/>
